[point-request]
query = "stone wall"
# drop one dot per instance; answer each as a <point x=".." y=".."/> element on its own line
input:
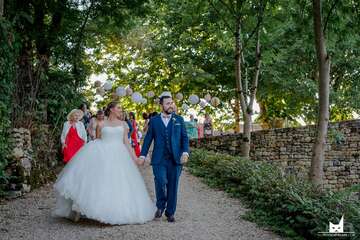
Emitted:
<point x="19" y="162"/>
<point x="32" y="160"/>
<point x="291" y="149"/>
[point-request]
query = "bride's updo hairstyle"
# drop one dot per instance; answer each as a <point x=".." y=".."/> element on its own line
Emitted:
<point x="109" y="107"/>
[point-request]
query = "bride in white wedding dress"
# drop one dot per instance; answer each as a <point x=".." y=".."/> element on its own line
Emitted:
<point x="102" y="181"/>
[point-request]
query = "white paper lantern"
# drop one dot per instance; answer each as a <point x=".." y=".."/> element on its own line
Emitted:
<point x="108" y="86"/>
<point x="150" y="94"/>
<point x="203" y="103"/>
<point x="121" y="91"/>
<point x="185" y="107"/>
<point x="179" y="96"/>
<point x="97" y="83"/>
<point x="215" y="101"/>
<point x="129" y="91"/>
<point x="207" y="97"/>
<point x="136" y="97"/>
<point x="194" y="99"/>
<point x="100" y="91"/>
<point x="144" y="101"/>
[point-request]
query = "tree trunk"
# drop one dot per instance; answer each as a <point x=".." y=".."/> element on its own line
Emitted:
<point x="236" y="110"/>
<point x="245" y="146"/>
<point x="249" y="110"/>
<point x="245" y="142"/>
<point x="1" y="8"/>
<point x="316" y="170"/>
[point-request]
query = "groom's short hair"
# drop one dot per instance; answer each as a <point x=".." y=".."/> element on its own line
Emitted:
<point x="162" y="99"/>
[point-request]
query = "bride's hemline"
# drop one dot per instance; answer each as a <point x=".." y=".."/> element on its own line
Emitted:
<point x="68" y="196"/>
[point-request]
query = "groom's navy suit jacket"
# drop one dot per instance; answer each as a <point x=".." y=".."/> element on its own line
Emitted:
<point x="176" y="132"/>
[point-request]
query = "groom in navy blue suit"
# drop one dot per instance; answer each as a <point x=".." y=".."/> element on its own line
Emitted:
<point x="171" y="151"/>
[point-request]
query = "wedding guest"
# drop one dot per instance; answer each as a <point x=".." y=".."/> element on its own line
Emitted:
<point x="127" y="120"/>
<point x="146" y="118"/>
<point x="153" y="114"/>
<point x="94" y="122"/>
<point x="208" y="126"/>
<point x="176" y="111"/>
<point x="73" y="135"/>
<point x="86" y="115"/>
<point x="191" y="128"/>
<point x="148" y="158"/>
<point x="134" y="135"/>
<point x="200" y="127"/>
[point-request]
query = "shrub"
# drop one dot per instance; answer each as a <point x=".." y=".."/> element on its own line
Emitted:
<point x="289" y="206"/>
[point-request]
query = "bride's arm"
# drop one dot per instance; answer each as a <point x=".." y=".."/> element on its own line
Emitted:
<point x="127" y="143"/>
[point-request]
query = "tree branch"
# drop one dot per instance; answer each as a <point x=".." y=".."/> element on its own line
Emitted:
<point x="231" y="10"/>
<point x="258" y="24"/>
<point x="257" y="72"/>
<point x="329" y="14"/>
<point x="220" y="15"/>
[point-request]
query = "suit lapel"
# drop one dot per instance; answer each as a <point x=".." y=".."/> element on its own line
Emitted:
<point x="172" y="120"/>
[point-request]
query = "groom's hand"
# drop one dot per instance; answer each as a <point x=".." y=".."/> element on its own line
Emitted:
<point x="184" y="158"/>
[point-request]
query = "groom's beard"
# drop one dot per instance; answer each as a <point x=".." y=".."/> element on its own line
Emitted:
<point x="169" y="111"/>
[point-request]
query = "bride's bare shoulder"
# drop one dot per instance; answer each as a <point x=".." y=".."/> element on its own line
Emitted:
<point x="124" y="124"/>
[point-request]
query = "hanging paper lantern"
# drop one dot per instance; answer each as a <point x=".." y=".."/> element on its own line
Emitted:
<point x="121" y="91"/>
<point x="136" y="97"/>
<point x="97" y="83"/>
<point x="179" y="96"/>
<point x="207" y="97"/>
<point x="100" y="91"/>
<point x="194" y="99"/>
<point x="203" y="103"/>
<point x="150" y="94"/>
<point x="185" y="107"/>
<point x="129" y="91"/>
<point x="143" y="100"/>
<point x="215" y="101"/>
<point x="108" y="86"/>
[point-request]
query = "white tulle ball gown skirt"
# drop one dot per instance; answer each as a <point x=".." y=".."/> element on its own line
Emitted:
<point x="103" y="183"/>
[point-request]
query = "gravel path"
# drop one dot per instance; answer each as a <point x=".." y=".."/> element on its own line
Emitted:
<point x="203" y="214"/>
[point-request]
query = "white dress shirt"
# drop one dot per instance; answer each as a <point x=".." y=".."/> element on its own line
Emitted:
<point x="165" y="119"/>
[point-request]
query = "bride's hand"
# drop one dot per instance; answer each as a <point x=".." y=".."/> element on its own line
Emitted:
<point x="137" y="160"/>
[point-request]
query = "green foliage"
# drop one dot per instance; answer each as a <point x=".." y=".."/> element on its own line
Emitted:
<point x="287" y="205"/>
<point x="8" y="53"/>
<point x="43" y="67"/>
<point x="189" y="48"/>
<point x="58" y="97"/>
<point x="289" y="79"/>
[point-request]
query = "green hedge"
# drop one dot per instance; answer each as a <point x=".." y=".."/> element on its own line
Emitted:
<point x="289" y="206"/>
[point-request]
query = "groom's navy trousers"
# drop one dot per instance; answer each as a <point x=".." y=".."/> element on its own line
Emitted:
<point x="167" y="175"/>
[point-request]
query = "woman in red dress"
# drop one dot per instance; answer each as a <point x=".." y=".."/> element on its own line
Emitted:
<point x="74" y="135"/>
<point x="134" y="134"/>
